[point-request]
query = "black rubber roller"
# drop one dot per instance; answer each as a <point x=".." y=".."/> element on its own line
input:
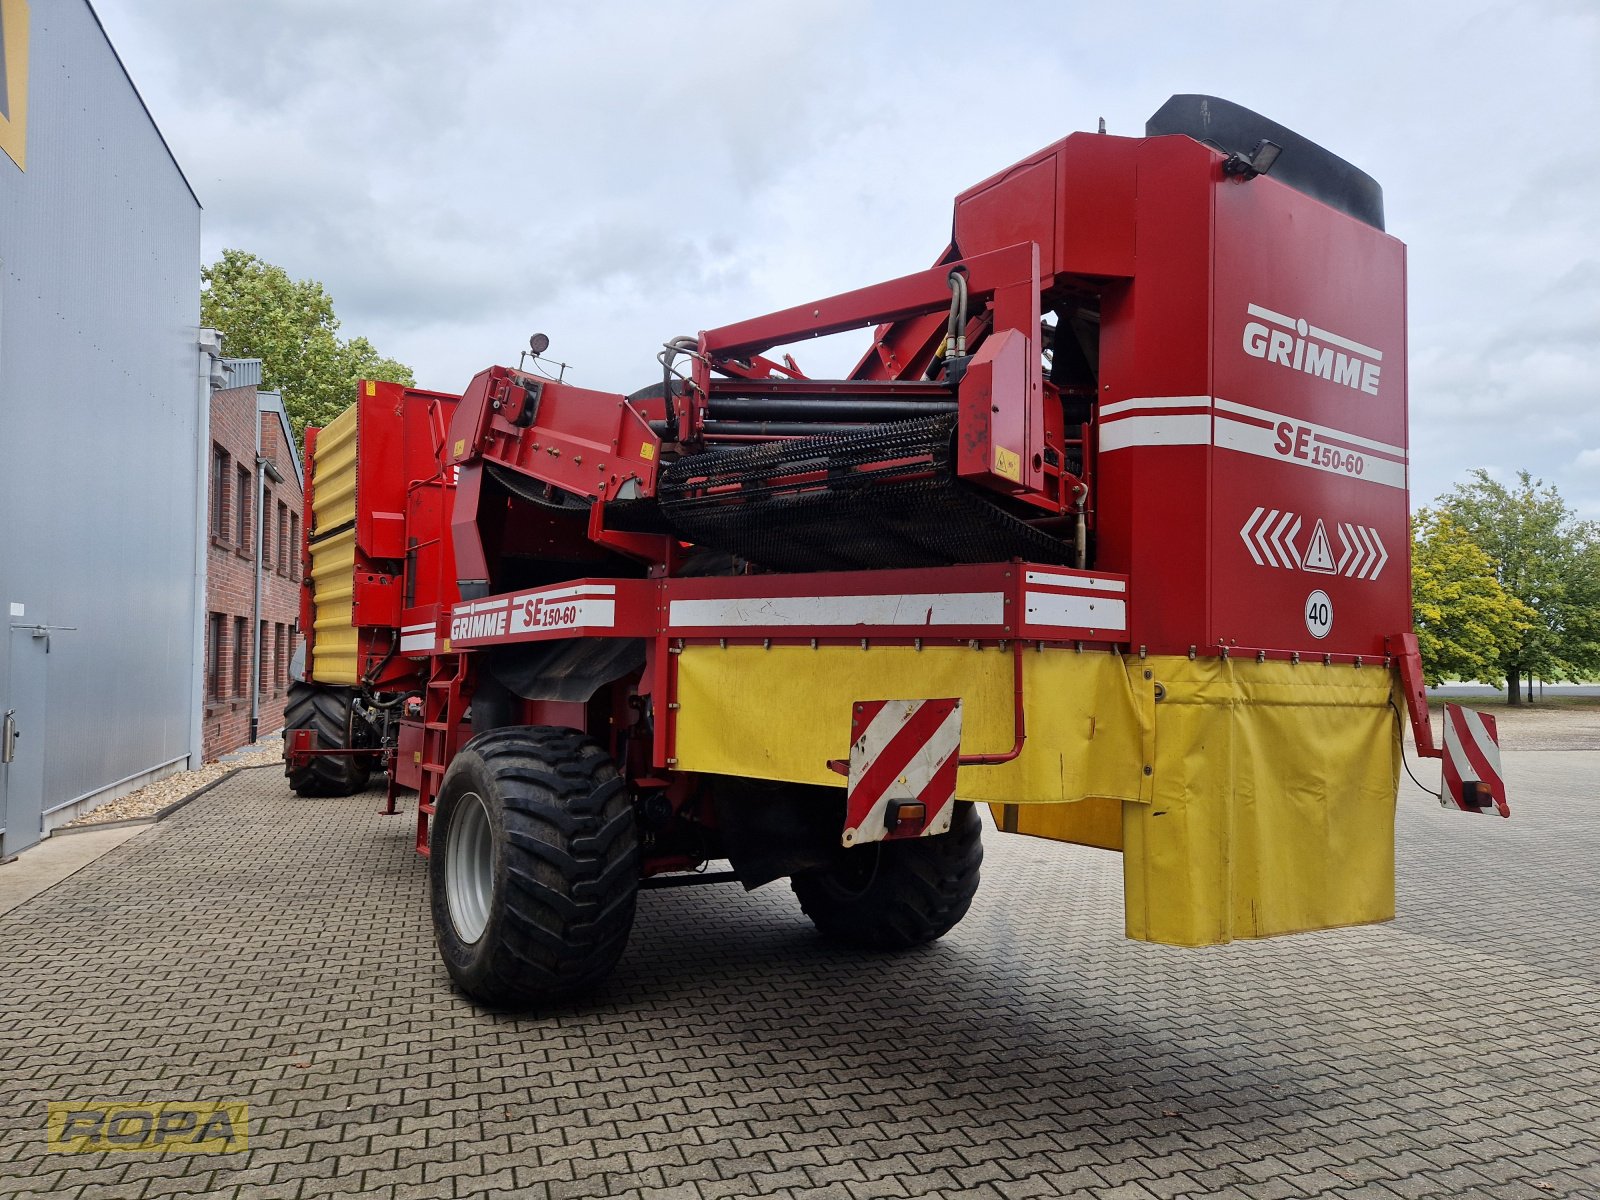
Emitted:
<point x="885" y="496"/>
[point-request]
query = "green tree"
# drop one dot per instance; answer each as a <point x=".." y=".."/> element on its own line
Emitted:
<point x="291" y="327"/>
<point x="1465" y="620"/>
<point x="1546" y="558"/>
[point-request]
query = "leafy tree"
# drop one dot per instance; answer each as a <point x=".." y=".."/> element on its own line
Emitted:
<point x="1465" y="620"/>
<point x="1546" y="558"/>
<point x="290" y="326"/>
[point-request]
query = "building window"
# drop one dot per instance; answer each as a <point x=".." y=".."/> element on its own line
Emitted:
<point x="221" y="478"/>
<point x="242" y="510"/>
<point x="266" y="528"/>
<point x="286" y="548"/>
<point x="294" y="546"/>
<point x="214" y="639"/>
<point x="281" y="645"/>
<point x="241" y="656"/>
<point x="265" y="681"/>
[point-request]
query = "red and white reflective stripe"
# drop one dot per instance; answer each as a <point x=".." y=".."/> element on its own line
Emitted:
<point x="1471" y="754"/>
<point x="893" y="609"/>
<point x="418" y="638"/>
<point x="568" y="609"/>
<point x="902" y="750"/>
<point x="1059" y="600"/>
<point x="1227" y="425"/>
<point x="1156" y="421"/>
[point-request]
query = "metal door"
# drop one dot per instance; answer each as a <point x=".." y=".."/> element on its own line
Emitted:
<point x="22" y="707"/>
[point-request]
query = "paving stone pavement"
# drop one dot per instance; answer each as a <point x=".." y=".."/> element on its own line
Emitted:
<point x="260" y="948"/>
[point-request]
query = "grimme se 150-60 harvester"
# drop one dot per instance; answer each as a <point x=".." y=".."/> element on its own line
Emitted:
<point x="1107" y="530"/>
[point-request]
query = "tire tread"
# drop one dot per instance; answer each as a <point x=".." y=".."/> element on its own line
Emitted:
<point x="920" y="891"/>
<point x="572" y="868"/>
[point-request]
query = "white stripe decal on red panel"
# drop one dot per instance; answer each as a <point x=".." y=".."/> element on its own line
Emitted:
<point x="1076" y="612"/>
<point x="1184" y="429"/>
<point x="956" y="608"/>
<point x="1263" y="441"/>
<point x="417" y="641"/>
<point x="580" y="589"/>
<point x="1249" y="430"/>
<point x="1144" y="403"/>
<point x="1325" y="431"/>
<point x="540" y="612"/>
<point x="1089" y="583"/>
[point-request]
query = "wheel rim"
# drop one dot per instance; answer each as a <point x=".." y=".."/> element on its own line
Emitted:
<point x="469" y="867"/>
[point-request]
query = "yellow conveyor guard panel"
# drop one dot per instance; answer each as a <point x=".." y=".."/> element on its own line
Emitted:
<point x="1268" y="807"/>
<point x="335" y="644"/>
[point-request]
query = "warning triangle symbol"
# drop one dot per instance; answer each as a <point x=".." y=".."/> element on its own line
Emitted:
<point x="1319" y="555"/>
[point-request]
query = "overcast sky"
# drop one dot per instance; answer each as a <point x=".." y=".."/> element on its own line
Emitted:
<point x="613" y="174"/>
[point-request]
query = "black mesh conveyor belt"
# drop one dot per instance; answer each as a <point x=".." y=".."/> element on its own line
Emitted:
<point x="886" y="496"/>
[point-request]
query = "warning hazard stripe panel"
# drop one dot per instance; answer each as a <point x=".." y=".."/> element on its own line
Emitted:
<point x="1471" y="754"/>
<point x="902" y="751"/>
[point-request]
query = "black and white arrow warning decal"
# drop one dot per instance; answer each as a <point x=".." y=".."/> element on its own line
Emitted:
<point x="1270" y="538"/>
<point x="1364" y="552"/>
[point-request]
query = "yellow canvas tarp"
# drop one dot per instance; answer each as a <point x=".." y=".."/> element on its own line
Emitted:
<point x="1252" y="799"/>
<point x="1274" y="804"/>
<point x="783" y="713"/>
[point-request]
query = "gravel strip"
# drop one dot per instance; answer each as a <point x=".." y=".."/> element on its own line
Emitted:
<point x="1566" y="726"/>
<point x="154" y="797"/>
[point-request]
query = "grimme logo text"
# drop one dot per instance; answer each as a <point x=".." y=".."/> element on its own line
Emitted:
<point x="1295" y="343"/>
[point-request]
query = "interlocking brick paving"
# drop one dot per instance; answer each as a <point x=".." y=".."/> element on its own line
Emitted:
<point x="273" y="950"/>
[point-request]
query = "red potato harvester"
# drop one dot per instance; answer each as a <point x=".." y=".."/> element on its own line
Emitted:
<point x="1108" y="530"/>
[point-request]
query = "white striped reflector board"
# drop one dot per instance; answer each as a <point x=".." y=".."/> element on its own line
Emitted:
<point x="901" y="751"/>
<point x="1472" y="778"/>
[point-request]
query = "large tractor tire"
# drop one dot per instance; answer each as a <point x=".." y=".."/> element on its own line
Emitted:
<point x="899" y="894"/>
<point x="533" y="863"/>
<point x="330" y="711"/>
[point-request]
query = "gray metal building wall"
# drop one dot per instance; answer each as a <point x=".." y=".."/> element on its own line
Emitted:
<point x="102" y="415"/>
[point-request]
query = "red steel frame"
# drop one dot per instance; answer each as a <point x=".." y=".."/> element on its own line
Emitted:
<point x="1199" y="452"/>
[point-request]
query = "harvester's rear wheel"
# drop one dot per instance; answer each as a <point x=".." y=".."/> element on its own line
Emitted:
<point x="534" y="865"/>
<point x="895" y="895"/>
<point x="330" y="712"/>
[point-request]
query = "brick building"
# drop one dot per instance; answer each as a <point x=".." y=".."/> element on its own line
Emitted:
<point x="253" y="565"/>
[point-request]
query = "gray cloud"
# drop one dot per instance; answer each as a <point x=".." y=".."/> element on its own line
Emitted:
<point x="615" y="174"/>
